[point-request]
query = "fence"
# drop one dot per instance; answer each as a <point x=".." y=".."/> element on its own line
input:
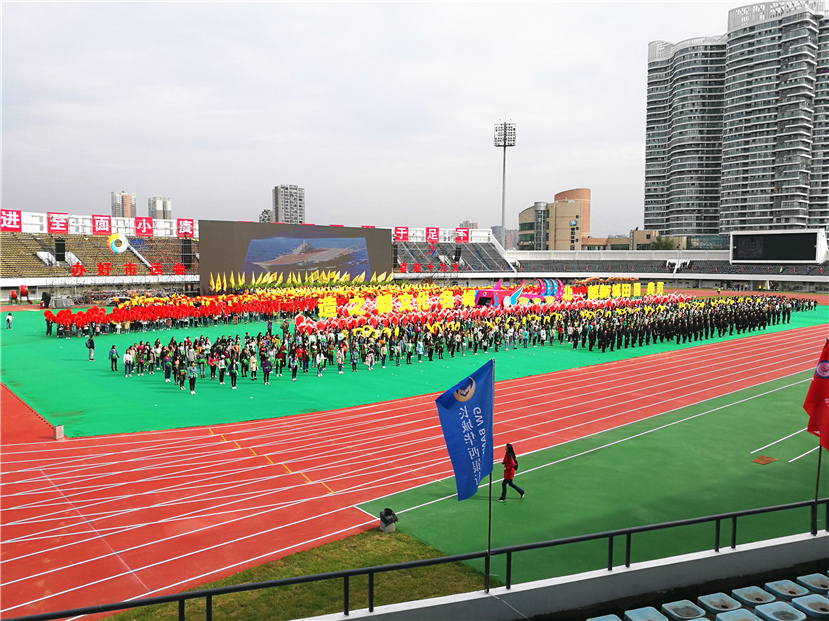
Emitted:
<point x="610" y="536"/>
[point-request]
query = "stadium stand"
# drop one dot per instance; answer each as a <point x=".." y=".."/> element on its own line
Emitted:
<point x="19" y="258"/>
<point x="165" y="251"/>
<point x="474" y="257"/>
<point x="803" y="600"/>
<point x="665" y="267"/>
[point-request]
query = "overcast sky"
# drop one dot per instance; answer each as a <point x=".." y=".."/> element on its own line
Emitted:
<point x="383" y="112"/>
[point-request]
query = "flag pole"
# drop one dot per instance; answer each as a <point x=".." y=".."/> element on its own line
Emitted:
<point x="488" y="539"/>
<point x="817" y="489"/>
<point x="489" y="504"/>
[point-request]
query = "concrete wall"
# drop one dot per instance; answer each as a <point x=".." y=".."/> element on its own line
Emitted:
<point x="597" y="587"/>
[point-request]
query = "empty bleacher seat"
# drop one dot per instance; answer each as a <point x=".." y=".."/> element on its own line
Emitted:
<point x="605" y="618"/>
<point x="649" y="613"/>
<point x="741" y="614"/>
<point x="813" y="605"/>
<point x="752" y="596"/>
<point x="779" y="611"/>
<point x="818" y="583"/>
<point x="786" y="589"/>
<point x="718" y="602"/>
<point x="682" y="609"/>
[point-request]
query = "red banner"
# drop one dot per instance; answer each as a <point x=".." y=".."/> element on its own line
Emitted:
<point x="185" y="227"/>
<point x="401" y="233"/>
<point x="57" y="222"/>
<point x="101" y="225"/>
<point x="432" y="234"/>
<point x="143" y="227"/>
<point x="11" y="220"/>
<point x="462" y="236"/>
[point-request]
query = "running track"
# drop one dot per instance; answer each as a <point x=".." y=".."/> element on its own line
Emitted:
<point x="105" y="519"/>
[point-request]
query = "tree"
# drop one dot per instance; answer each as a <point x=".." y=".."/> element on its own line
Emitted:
<point x="662" y="243"/>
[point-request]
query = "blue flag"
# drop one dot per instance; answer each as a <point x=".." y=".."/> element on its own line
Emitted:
<point x="465" y="412"/>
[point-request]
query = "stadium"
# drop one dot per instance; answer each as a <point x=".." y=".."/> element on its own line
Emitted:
<point x="654" y="398"/>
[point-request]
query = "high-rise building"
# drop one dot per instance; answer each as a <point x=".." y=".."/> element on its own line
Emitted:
<point x="468" y="224"/>
<point x="737" y="125"/>
<point x="560" y="225"/>
<point x="160" y="208"/>
<point x="124" y="205"/>
<point x="288" y="204"/>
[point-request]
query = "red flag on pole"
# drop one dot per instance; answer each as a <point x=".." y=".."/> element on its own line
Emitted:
<point x="817" y="399"/>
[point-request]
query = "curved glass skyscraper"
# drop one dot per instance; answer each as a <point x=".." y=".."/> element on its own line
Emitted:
<point x="737" y="125"/>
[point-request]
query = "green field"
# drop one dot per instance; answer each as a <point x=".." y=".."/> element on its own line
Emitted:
<point x="56" y="379"/>
<point x="691" y="462"/>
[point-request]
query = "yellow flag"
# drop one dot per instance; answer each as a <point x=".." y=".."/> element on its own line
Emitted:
<point x="212" y="284"/>
<point x="224" y="278"/>
<point x="382" y="277"/>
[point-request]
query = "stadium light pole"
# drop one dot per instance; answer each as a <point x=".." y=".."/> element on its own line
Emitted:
<point x="504" y="137"/>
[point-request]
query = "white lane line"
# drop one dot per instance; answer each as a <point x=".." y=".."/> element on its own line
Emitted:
<point x="777" y="441"/>
<point x="806" y="453"/>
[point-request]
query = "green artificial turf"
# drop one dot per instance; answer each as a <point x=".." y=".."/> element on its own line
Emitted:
<point x="692" y="462"/>
<point x="55" y="377"/>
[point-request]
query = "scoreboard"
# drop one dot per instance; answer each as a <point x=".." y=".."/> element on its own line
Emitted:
<point x="798" y="246"/>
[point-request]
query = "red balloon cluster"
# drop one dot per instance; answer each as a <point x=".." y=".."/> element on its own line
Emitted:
<point x="215" y="307"/>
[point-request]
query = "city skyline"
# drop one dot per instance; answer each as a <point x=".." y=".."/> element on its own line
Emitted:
<point x="387" y="121"/>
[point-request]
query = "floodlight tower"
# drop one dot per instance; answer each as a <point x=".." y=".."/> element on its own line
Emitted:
<point x="504" y="137"/>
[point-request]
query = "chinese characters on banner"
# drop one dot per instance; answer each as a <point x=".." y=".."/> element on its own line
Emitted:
<point x="466" y="412"/>
<point x="129" y="269"/>
<point x="432" y="234"/>
<point x="419" y="267"/>
<point x="401" y="233"/>
<point x="185" y="227"/>
<point x="143" y="227"/>
<point x="57" y="222"/>
<point x="11" y="220"/>
<point x="462" y="236"/>
<point x="101" y="225"/>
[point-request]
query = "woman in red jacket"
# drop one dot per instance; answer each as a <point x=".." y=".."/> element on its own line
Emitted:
<point x="510" y="462"/>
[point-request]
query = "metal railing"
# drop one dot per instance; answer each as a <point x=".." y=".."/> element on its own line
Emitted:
<point x="611" y="536"/>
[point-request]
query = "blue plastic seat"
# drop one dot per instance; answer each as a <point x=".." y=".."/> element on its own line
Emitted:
<point x="779" y="611"/>
<point x="813" y="605"/>
<point x="819" y="583"/>
<point x="741" y="614"/>
<point x="752" y="596"/>
<point x="786" y="589"/>
<point x="718" y="602"/>
<point x="682" y="609"/>
<point x="649" y="613"/>
<point x="605" y="618"/>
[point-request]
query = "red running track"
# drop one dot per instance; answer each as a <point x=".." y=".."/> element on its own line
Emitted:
<point x="106" y="519"/>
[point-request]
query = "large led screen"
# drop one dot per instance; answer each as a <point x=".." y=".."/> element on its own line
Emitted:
<point x="252" y="248"/>
<point x="799" y="247"/>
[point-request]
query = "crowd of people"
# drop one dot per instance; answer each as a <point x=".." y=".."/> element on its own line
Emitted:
<point x="282" y="349"/>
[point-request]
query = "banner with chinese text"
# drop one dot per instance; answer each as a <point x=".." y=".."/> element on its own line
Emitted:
<point x="101" y="225"/>
<point x="466" y="412"/>
<point x="11" y="220"/>
<point x="57" y="222"/>
<point x="143" y="226"/>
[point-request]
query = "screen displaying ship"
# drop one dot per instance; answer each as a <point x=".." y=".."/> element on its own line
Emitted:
<point x="291" y="255"/>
